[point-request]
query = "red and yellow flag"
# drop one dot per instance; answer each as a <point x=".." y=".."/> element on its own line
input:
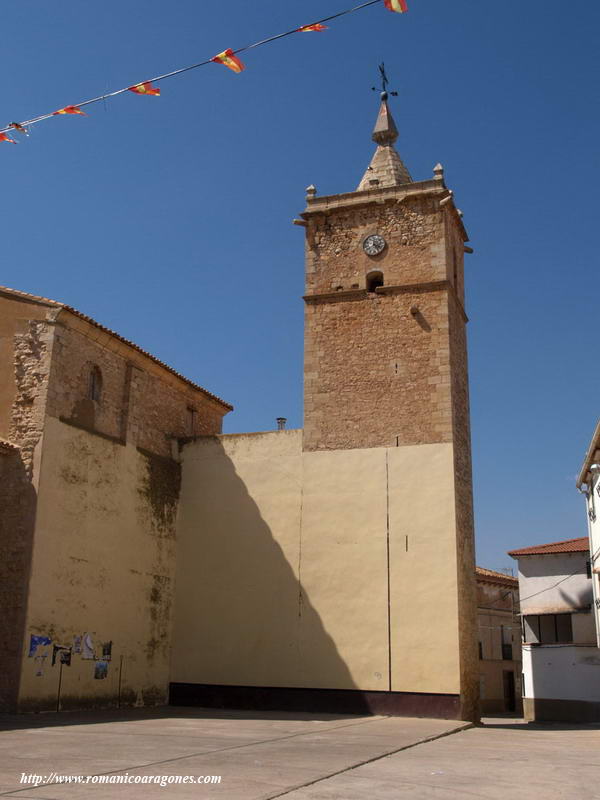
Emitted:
<point x="396" y="5"/>
<point x="18" y="127"/>
<point x="228" y="59"/>
<point x="145" y="88"/>
<point x="70" y="110"/>
<point x="316" y="27"/>
<point x="5" y="138"/>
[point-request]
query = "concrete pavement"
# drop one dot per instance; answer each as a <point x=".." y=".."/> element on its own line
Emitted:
<point x="296" y="756"/>
<point x="503" y="759"/>
<point x="257" y="755"/>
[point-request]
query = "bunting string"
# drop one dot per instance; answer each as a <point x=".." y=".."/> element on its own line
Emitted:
<point x="228" y="58"/>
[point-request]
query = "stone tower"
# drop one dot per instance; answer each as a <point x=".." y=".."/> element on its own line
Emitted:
<point x="385" y="347"/>
<point x="385" y="342"/>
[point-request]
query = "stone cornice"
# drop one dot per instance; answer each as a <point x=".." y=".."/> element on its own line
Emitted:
<point x="324" y="203"/>
<point x="362" y="294"/>
<point x="334" y="202"/>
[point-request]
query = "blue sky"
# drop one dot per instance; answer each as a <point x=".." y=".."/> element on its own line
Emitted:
<point x="169" y="219"/>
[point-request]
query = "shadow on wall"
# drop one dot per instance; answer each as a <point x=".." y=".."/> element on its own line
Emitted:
<point x="563" y="682"/>
<point x="242" y="616"/>
<point x="564" y="569"/>
<point x="17" y="520"/>
<point x="578" y="599"/>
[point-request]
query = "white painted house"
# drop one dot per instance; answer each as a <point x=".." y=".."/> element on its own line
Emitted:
<point x="561" y="659"/>
<point x="588" y="484"/>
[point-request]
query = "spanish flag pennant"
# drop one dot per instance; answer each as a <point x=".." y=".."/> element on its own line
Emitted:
<point x="145" y="88"/>
<point x="69" y="110"/>
<point x="20" y="128"/>
<point x="228" y="59"/>
<point x="316" y="27"/>
<point x="396" y="5"/>
<point x="5" y="138"/>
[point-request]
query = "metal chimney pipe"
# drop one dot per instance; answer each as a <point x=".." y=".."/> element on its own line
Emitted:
<point x="281" y="423"/>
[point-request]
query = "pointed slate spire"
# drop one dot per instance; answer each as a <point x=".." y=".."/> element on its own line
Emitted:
<point x="386" y="167"/>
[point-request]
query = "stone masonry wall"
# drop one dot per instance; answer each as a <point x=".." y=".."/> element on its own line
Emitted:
<point x="27" y="351"/>
<point x="412" y="227"/>
<point x="111" y="507"/>
<point x="463" y="482"/>
<point x="375" y="374"/>
<point x="455" y="255"/>
<point x="32" y="358"/>
<point x="17" y="517"/>
<point x="137" y="403"/>
<point x="377" y="364"/>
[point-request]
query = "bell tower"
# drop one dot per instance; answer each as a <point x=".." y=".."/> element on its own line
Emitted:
<point x="385" y="346"/>
<point x="386" y="368"/>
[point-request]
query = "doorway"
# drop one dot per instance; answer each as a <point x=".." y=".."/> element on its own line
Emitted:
<point x="509" y="690"/>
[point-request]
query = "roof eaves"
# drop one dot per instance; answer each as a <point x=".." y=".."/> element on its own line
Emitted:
<point x="63" y="306"/>
<point x="491" y="576"/>
<point x="141" y="350"/>
<point x="577" y="545"/>
<point x="589" y="456"/>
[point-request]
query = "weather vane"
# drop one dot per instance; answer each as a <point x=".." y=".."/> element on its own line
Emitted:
<point x="384" y="83"/>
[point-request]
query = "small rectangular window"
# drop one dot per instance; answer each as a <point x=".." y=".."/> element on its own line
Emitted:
<point x="506" y="643"/>
<point x="548" y="628"/>
<point x="191" y="421"/>
<point x="564" y="628"/>
<point x="480" y="651"/>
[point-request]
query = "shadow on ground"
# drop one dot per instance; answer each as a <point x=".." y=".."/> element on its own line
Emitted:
<point x="10" y="722"/>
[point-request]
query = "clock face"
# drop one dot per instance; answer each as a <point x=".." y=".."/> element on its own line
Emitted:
<point x="374" y="244"/>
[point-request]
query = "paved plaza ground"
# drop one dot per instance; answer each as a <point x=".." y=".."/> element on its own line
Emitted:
<point x="296" y="756"/>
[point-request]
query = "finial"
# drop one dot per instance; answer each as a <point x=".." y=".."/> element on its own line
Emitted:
<point x="384" y="83"/>
<point x="438" y="172"/>
<point x="385" y="132"/>
<point x="311" y="191"/>
<point x="386" y="168"/>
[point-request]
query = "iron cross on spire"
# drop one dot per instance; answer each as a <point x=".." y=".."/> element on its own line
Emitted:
<point x="384" y="83"/>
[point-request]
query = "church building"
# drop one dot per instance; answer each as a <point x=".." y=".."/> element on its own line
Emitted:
<point x="145" y="557"/>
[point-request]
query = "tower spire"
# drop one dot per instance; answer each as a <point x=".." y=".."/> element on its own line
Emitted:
<point x="386" y="167"/>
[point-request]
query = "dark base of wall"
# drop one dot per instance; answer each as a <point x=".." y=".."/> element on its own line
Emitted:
<point x="334" y="701"/>
<point x="547" y="710"/>
<point x="498" y="706"/>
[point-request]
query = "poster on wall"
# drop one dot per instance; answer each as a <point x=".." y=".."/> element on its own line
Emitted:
<point x="87" y="647"/>
<point x="101" y="670"/>
<point x="58" y="650"/>
<point x="36" y="641"/>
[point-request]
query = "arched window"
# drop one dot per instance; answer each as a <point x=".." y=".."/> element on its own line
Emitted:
<point x="95" y="385"/>
<point x="374" y="279"/>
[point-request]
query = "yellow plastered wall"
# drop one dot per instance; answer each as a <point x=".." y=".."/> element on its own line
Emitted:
<point x="282" y="576"/>
<point x="423" y="572"/>
<point x="102" y="566"/>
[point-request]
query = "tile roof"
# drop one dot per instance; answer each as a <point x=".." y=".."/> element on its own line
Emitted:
<point x="580" y="545"/>
<point x="495" y="577"/>
<point x="55" y="304"/>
